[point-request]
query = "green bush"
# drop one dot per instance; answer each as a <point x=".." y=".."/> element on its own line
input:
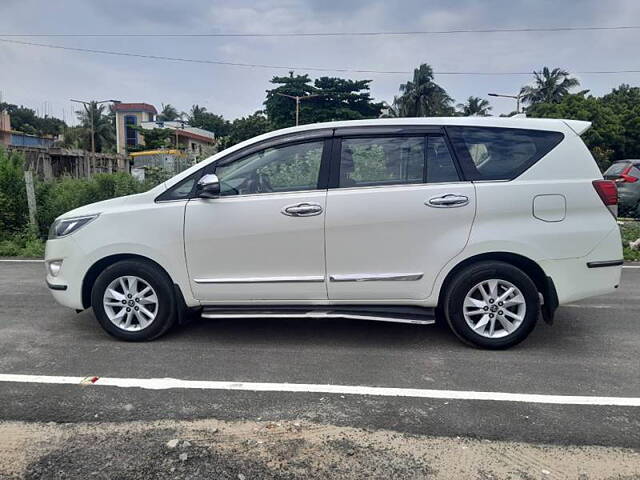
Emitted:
<point x="53" y="198"/>
<point x="22" y="245"/>
<point x="14" y="213"/>
<point x="630" y="231"/>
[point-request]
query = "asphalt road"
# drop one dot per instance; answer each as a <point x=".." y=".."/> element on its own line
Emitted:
<point x="592" y="349"/>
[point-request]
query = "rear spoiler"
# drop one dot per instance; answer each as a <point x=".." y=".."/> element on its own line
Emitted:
<point x="578" y="126"/>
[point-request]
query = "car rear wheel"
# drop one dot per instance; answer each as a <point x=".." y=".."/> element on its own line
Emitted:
<point x="492" y="305"/>
<point x="134" y="300"/>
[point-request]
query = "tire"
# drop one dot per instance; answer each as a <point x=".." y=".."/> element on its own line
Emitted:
<point x="159" y="301"/>
<point x="518" y="313"/>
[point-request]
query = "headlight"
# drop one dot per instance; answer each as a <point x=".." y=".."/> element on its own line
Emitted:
<point x="66" y="226"/>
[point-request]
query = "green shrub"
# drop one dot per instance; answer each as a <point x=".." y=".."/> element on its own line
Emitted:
<point x="14" y="213"/>
<point x="630" y="231"/>
<point x="22" y="245"/>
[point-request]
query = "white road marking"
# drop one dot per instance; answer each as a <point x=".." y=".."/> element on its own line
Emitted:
<point x="586" y="305"/>
<point x="173" y="383"/>
<point x="21" y="260"/>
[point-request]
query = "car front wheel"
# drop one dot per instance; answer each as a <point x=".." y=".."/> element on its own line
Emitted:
<point x="133" y="300"/>
<point x="492" y="305"/>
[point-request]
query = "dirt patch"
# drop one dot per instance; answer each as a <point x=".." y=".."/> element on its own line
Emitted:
<point x="207" y="449"/>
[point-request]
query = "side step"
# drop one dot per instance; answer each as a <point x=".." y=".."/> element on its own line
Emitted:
<point x="382" y="313"/>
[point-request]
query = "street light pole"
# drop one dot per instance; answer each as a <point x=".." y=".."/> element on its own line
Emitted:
<point x="297" y="98"/>
<point x="93" y="138"/>
<point x="517" y="98"/>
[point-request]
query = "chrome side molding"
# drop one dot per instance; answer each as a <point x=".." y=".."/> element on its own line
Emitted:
<point x="301" y="279"/>
<point x="377" y="277"/>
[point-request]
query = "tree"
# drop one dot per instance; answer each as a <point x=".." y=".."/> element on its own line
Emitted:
<point x="103" y="127"/>
<point x="422" y="97"/>
<point x="168" y="113"/>
<point x="335" y="99"/>
<point x="342" y="99"/>
<point x="25" y="120"/>
<point x="549" y="86"/>
<point x="248" y="127"/>
<point x="200" y="118"/>
<point x="475" y="107"/>
<point x="281" y="110"/>
<point x="154" y="139"/>
<point x="606" y="137"/>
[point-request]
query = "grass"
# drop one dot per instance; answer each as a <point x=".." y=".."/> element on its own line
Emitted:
<point x="630" y="231"/>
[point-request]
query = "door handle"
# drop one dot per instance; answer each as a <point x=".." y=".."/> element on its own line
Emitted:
<point x="302" y="210"/>
<point x="448" y="200"/>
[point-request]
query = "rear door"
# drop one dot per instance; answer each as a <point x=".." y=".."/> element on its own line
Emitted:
<point x="397" y="213"/>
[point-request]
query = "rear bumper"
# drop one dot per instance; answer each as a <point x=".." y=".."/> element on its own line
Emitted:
<point x="598" y="273"/>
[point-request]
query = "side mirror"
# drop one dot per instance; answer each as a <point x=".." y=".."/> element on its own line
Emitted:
<point x="208" y="186"/>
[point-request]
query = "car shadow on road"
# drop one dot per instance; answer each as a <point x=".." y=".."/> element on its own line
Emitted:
<point x="334" y="332"/>
<point x="297" y="333"/>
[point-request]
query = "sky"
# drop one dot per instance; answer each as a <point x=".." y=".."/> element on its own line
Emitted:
<point x="45" y="79"/>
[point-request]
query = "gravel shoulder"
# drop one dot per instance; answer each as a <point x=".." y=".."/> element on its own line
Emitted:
<point x="246" y="450"/>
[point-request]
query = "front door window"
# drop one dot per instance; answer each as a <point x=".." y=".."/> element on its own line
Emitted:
<point x="289" y="168"/>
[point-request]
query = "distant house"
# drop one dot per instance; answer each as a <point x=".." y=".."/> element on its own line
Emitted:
<point x="186" y="138"/>
<point x="9" y="137"/>
<point x="129" y="116"/>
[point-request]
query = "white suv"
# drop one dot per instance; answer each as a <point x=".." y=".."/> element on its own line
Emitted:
<point x="484" y="222"/>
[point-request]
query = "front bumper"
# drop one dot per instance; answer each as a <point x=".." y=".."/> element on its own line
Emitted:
<point x="66" y="286"/>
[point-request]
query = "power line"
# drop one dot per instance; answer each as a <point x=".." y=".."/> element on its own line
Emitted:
<point x="334" y="34"/>
<point x="283" y="67"/>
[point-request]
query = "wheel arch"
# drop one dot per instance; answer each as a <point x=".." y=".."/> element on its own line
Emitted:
<point x="94" y="271"/>
<point x="543" y="282"/>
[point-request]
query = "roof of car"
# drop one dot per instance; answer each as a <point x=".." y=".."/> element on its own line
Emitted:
<point x="578" y="126"/>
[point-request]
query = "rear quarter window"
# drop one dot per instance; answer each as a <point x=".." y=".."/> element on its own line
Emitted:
<point x="488" y="153"/>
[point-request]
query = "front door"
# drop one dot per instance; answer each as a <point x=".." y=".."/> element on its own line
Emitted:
<point x="399" y="214"/>
<point x="263" y="238"/>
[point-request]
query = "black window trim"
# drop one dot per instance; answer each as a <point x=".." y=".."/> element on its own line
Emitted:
<point x="466" y="164"/>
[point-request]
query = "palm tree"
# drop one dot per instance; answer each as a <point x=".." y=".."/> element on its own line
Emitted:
<point x="475" y="107"/>
<point x="103" y="127"/>
<point x="549" y="86"/>
<point x="422" y="97"/>
<point x="168" y="113"/>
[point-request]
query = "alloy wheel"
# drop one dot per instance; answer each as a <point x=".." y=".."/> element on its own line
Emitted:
<point x="494" y="308"/>
<point x="130" y="303"/>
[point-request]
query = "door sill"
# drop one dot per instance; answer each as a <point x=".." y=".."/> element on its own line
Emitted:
<point x="378" y="313"/>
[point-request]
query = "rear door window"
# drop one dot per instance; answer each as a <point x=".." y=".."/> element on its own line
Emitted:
<point x="381" y="161"/>
<point x="488" y="153"/>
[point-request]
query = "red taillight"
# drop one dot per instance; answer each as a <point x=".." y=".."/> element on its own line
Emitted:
<point x="608" y="192"/>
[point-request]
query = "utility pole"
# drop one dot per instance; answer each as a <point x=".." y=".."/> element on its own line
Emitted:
<point x="297" y="98"/>
<point x="517" y="97"/>
<point x="90" y="104"/>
